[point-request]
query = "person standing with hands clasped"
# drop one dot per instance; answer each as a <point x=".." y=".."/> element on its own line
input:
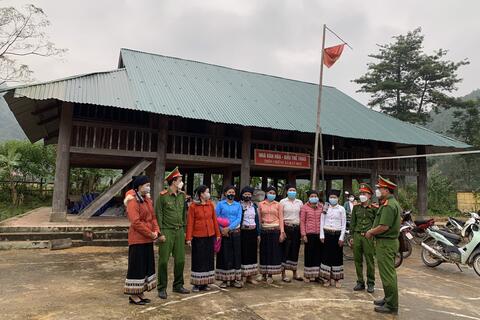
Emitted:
<point x="386" y="229"/>
<point x="363" y="215"/>
<point x="332" y="232"/>
<point x="143" y="231"/>
<point x="170" y="208"/>
<point x="202" y="229"/>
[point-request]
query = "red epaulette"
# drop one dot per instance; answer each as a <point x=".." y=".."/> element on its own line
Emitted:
<point x="375" y="205"/>
<point x="163" y="192"/>
<point x="385" y="203"/>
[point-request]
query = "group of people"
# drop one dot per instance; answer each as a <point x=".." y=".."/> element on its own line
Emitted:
<point x="235" y="231"/>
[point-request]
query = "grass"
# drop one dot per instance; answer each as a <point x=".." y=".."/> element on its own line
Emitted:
<point x="8" y="210"/>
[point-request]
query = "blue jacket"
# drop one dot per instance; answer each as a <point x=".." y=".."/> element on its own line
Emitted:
<point x="233" y="212"/>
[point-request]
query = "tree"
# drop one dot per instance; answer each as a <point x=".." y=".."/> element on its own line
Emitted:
<point x="22" y="33"/>
<point x="407" y="83"/>
<point x="9" y="164"/>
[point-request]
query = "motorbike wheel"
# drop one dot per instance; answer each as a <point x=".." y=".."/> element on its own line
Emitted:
<point x="398" y="259"/>
<point x="427" y="257"/>
<point x="408" y="253"/>
<point x="476" y="263"/>
<point x="348" y="248"/>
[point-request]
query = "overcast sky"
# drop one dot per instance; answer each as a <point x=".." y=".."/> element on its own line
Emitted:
<point x="276" y="37"/>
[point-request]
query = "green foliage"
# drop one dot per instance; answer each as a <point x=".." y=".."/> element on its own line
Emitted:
<point x="442" y="199"/>
<point x="405" y="82"/>
<point x="83" y="180"/>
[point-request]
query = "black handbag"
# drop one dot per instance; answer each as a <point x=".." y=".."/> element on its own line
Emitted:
<point x="403" y="247"/>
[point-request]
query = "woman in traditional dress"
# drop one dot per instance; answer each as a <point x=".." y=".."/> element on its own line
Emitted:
<point x="250" y="235"/>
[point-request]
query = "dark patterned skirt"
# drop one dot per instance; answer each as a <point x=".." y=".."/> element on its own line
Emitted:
<point x="270" y="252"/>
<point x="229" y="259"/>
<point x="249" y="252"/>
<point x="203" y="261"/>
<point x="312" y="255"/>
<point x="332" y="257"/>
<point x="291" y="247"/>
<point x="141" y="275"/>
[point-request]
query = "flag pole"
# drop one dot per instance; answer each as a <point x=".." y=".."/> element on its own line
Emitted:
<point x="318" y="129"/>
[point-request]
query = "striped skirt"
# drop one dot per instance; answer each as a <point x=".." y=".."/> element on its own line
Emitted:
<point x="249" y="252"/>
<point x="312" y="256"/>
<point x="229" y="258"/>
<point x="331" y="267"/>
<point x="270" y="252"/>
<point x="141" y="275"/>
<point x="203" y="258"/>
<point x="291" y="247"/>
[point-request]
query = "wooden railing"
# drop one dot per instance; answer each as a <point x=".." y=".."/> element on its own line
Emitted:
<point x="104" y="136"/>
<point x="180" y="143"/>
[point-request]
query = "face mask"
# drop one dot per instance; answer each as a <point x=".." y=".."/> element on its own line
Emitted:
<point x="333" y="201"/>
<point x="230" y="196"/>
<point x="180" y="185"/>
<point x="206" y="196"/>
<point x="351" y="199"/>
<point x="291" y="194"/>
<point x="247" y="198"/>
<point x="378" y="193"/>
<point x="313" y="200"/>
<point x="363" y="198"/>
<point x="271" y="197"/>
<point x="146" y="190"/>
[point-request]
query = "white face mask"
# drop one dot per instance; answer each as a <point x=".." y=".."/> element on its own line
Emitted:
<point x="206" y="196"/>
<point x="378" y="193"/>
<point x="351" y="199"/>
<point x="363" y="198"/>
<point x="180" y="185"/>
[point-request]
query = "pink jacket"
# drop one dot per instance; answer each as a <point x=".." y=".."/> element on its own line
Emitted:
<point x="310" y="219"/>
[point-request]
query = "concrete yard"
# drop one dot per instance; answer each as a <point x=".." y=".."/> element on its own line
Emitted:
<point x="87" y="283"/>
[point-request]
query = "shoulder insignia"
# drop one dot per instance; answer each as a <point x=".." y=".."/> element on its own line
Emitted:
<point x="385" y="203"/>
<point x="163" y="192"/>
<point x="374" y="205"/>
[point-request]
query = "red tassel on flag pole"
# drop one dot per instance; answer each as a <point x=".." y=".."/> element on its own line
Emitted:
<point x="332" y="54"/>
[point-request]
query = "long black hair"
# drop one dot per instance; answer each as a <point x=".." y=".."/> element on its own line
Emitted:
<point x="201" y="189"/>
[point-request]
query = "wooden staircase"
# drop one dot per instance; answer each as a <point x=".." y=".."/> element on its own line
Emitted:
<point x="108" y="194"/>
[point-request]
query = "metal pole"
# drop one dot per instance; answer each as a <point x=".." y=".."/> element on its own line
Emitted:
<point x="318" y="130"/>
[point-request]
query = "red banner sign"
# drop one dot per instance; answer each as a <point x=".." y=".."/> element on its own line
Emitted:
<point x="272" y="158"/>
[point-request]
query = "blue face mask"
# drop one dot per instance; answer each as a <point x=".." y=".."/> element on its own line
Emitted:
<point x="313" y="200"/>
<point x="333" y="201"/>
<point x="292" y="194"/>
<point x="271" y="197"/>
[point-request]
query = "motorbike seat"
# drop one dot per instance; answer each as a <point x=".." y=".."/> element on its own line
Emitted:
<point x="460" y="222"/>
<point x="450" y="236"/>
<point x="419" y="222"/>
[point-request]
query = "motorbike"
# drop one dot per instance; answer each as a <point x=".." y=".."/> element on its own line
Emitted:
<point x="442" y="246"/>
<point x="406" y="229"/>
<point x="418" y="227"/>
<point x="462" y="228"/>
<point x="454" y="225"/>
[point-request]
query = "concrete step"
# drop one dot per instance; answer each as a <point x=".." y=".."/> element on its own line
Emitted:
<point x="37" y="236"/>
<point x="22" y="229"/>
<point x="43" y="244"/>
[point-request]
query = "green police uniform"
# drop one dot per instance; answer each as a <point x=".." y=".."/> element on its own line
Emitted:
<point x="362" y="221"/>
<point x="170" y="209"/>
<point x="386" y="248"/>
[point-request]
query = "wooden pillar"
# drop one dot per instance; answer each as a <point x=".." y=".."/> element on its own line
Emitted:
<point x="292" y="178"/>
<point x="275" y="182"/>
<point x="374" y="165"/>
<point x="190" y="182"/>
<point x="422" y="197"/>
<point x="161" y="159"/>
<point x="227" y="177"/>
<point x="328" y="187"/>
<point x="264" y="182"/>
<point x="347" y="183"/>
<point x="245" y="166"/>
<point x="207" y="179"/>
<point x="62" y="165"/>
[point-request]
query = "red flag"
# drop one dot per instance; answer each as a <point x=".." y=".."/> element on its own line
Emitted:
<point x="332" y="54"/>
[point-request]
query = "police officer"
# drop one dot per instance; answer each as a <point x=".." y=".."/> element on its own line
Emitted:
<point x="363" y="215"/>
<point x="170" y="209"/>
<point x="386" y="229"/>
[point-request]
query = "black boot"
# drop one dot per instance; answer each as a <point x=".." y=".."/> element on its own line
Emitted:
<point x="380" y="302"/>
<point x="385" y="309"/>
<point x="370" y="288"/>
<point x="359" y="287"/>
<point x="162" y="294"/>
<point x="181" y="290"/>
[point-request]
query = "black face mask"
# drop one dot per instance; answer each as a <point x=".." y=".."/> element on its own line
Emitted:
<point x="230" y="196"/>
<point x="247" y="198"/>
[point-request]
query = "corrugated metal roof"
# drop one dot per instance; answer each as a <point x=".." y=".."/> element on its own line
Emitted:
<point x="191" y="89"/>
<point x="109" y="88"/>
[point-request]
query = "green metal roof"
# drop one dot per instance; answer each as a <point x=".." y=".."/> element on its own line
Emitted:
<point x="191" y="89"/>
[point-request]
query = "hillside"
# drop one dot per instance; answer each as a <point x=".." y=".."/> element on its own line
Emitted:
<point x="9" y="127"/>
